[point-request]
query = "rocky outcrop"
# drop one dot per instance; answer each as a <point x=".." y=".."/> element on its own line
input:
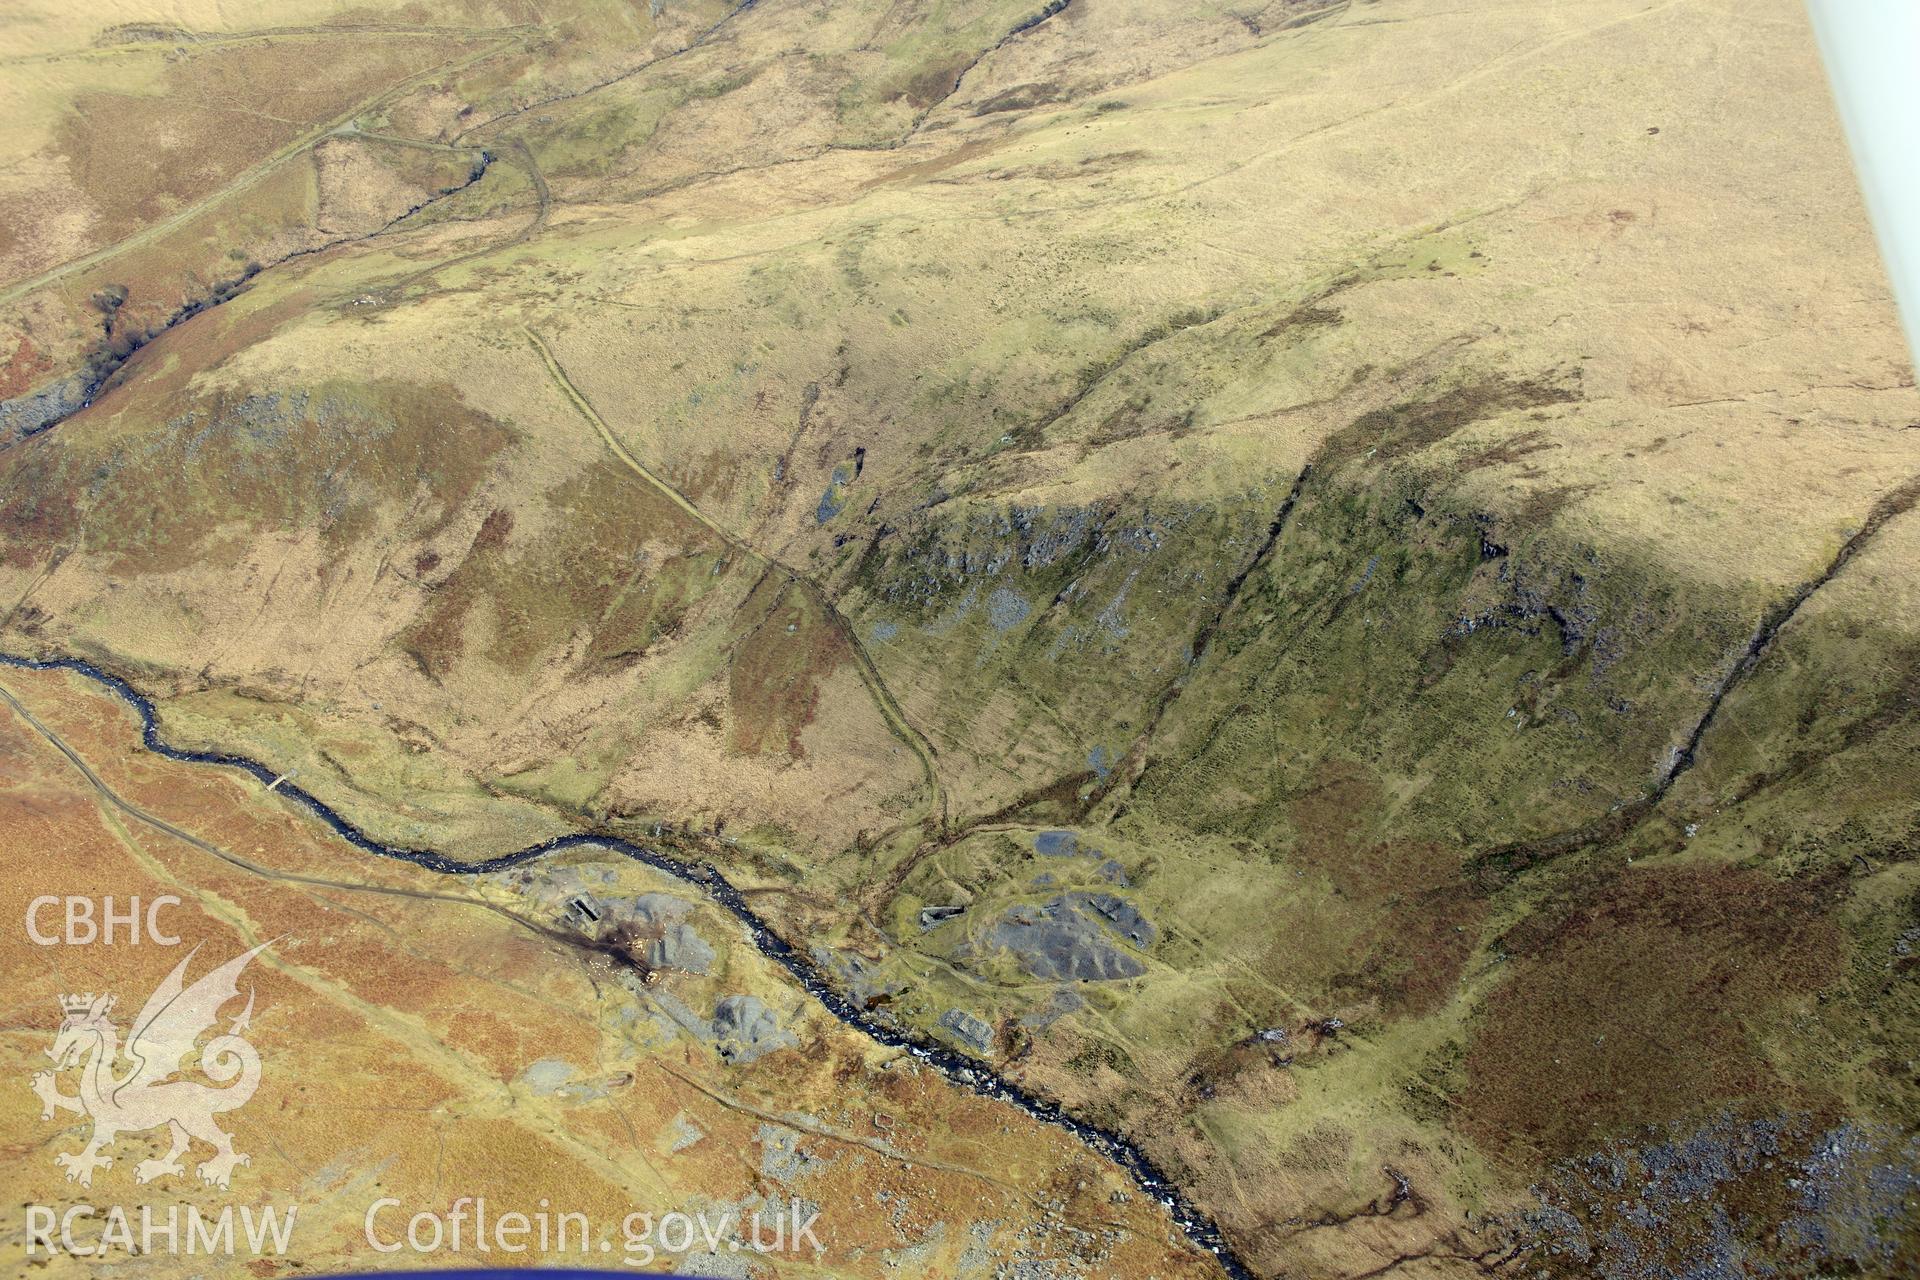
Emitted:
<point x="35" y="411"/>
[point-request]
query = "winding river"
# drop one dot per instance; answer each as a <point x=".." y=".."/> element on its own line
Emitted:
<point x="958" y="1069"/>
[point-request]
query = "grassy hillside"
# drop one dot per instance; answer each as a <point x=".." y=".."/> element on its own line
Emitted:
<point x="1381" y="533"/>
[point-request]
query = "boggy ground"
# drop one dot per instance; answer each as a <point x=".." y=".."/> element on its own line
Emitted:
<point x="1422" y="498"/>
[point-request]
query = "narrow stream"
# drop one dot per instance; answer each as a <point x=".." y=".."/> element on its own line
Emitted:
<point x="958" y="1069"/>
<point x="60" y="407"/>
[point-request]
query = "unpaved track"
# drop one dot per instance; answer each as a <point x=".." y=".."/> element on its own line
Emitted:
<point x="964" y="1071"/>
<point x="890" y="710"/>
<point x="246" y="178"/>
<point x="115" y="800"/>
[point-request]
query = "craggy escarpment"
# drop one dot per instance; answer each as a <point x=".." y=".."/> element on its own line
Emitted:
<point x="50" y="405"/>
<point x="1270" y="736"/>
<point x="1377" y="699"/>
<point x="1511" y="858"/>
<point x="1524" y="679"/>
<point x="1414" y="688"/>
<point x="43" y="407"/>
<point x="1033" y="643"/>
